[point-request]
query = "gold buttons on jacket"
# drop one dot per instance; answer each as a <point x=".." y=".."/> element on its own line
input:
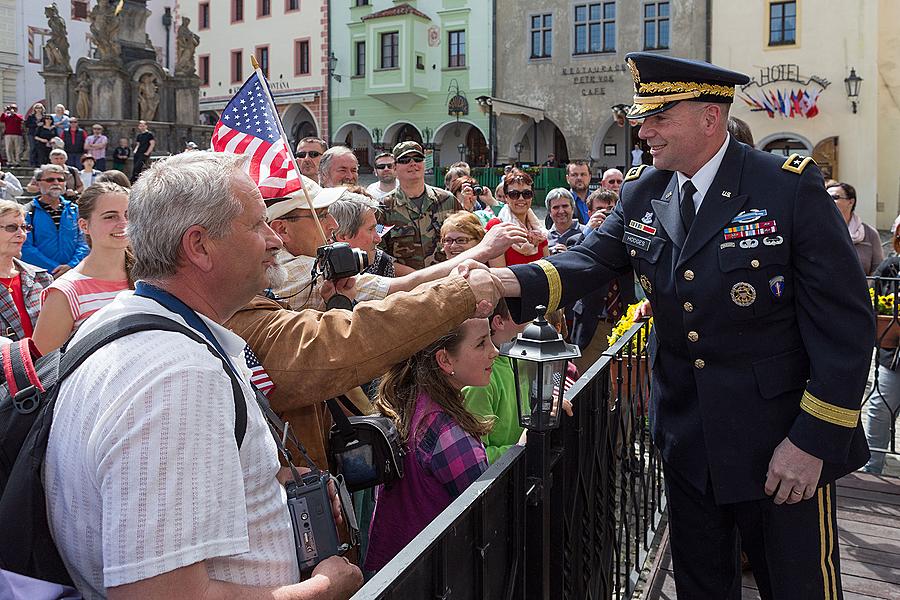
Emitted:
<point x="754" y="263"/>
<point x="699" y="363"/>
<point x="689" y="275"/>
<point x="688" y="307"/>
<point x="693" y="336"/>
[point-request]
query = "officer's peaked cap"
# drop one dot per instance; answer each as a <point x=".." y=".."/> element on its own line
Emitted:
<point x="660" y="82"/>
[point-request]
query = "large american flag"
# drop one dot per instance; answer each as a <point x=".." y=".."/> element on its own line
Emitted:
<point x="258" y="375"/>
<point x="249" y="125"/>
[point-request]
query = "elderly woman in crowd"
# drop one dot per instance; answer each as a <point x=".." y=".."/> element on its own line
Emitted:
<point x="60" y="120"/>
<point x="883" y="405"/>
<point x="460" y="232"/>
<point x="474" y="198"/>
<point x="517" y="188"/>
<point x="95" y="282"/>
<point x="355" y="213"/>
<point x="444" y="453"/>
<point x="22" y="283"/>
<point x="865" y="237"/>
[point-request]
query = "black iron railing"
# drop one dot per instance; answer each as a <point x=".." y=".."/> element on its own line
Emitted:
<point x="571" y="515"/>
<point x="880" y="407"/>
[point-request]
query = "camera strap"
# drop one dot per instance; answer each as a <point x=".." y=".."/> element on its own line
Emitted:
<point x="340" y="419"/>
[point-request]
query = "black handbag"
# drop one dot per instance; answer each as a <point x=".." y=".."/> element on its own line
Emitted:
<point x="365" y="449"/>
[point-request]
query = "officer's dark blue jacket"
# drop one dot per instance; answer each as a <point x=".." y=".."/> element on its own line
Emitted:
<point x="763" y="324"/>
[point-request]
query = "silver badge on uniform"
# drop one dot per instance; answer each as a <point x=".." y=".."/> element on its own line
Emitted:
<point x="773" y="241"/>
<point x="647" y="218"/>
<point x="743" y="294"/>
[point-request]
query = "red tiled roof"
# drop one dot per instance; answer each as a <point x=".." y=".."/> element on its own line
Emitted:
<point x="396" y="11"/>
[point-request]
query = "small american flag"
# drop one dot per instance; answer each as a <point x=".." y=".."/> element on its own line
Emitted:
<point x="249" y="125"/>
<point x="258" y="375"/>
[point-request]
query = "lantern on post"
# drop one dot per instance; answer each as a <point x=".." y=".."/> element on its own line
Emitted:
<point x="851" y="82"/>
<point x="539" y="359"/>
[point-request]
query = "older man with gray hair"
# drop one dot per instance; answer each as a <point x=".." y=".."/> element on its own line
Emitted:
<point x="561" y="209"/>
<point x="612" y="180"/>
<point x="55" y="242"/>
<point x="338" y="166"/>
<point x="150" y="419"/>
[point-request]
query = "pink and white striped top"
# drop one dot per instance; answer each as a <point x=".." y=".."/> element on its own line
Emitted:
<point x="86" y="295"/>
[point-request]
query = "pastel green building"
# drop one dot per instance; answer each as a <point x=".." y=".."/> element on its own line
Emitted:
<point x="411" y="71"/>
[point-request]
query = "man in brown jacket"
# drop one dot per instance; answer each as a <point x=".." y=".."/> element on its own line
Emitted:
<point x="362" y="344"/>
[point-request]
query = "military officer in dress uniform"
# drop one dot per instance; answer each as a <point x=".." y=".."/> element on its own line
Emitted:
<point x="763" y="335"/>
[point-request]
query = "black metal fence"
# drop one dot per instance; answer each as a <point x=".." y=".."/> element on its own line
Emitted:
<point x="570" y="515"/>
<point x="881" y="405"/>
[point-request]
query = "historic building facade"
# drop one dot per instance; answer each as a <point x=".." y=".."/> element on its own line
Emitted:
<point x="561" y="70"/>
<point x="826" y="83"/>
<point x="412" y="70"/>
<point x="289" y="39"/>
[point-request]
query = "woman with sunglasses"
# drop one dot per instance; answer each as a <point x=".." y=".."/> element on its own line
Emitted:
<point x="517" y="188"/>
<point x="22" y="283"/>
<point x="95" y="282"/>
<point x="42" y="136"/>
<point x="865" y="237"/>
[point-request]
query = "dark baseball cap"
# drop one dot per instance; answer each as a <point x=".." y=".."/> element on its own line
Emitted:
<point x="406" y="148"/>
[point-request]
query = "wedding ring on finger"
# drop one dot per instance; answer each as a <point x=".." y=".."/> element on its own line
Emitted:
<point x="796" y="492"/>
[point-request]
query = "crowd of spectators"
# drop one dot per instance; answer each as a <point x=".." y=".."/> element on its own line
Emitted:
<point x="420" y="345"/>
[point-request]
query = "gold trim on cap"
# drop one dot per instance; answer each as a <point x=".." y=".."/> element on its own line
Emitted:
<point x="666" y="98"/>
<point x="829" y="412"/>
<point x="554" y="284"/>
<point x="639" y="109"/>
<point x="686" y="86"/>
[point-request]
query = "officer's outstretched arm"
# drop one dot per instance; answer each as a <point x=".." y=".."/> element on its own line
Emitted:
<point x="562" y="279"/>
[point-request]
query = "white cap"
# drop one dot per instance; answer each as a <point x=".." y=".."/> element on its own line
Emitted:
<point x="321" y="198"/>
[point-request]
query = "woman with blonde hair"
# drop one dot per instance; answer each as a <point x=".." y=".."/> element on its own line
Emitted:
<point x="460" y="232"/>
<point x="21" y="284"/>
<point x="444" y="453"/>
<point x="96" y="280"/>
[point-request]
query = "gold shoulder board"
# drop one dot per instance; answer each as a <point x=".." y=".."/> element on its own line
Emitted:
<point x="795" y="163"/>
<point x="634" y="172"/>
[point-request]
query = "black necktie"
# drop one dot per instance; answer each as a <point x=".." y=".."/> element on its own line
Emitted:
<point x="687" y="205"/>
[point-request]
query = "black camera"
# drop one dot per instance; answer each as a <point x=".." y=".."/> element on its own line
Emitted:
<point x="315" y="534"/>
<point x="338" y="260"/>
<point x="477" y="190"/>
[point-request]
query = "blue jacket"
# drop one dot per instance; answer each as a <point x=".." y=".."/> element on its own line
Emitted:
<point x="48" y="246"/>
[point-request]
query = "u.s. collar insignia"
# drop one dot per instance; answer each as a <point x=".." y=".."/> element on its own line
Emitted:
<point x="635" y="74"/>
<point x="726" y="194"/>
<point x="776" y="286"/>
<point x="743" y="294"/>
<point x="748" y="216"/>
<point x="645" y="283"/>
<point x="647" y="218"/>
<point x="668" y="195"/>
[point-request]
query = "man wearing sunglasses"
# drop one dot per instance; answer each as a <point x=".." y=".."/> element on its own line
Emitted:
<point x="386" y="171"/>
<point x="416" y="210"/>
<point x="309" y="153"/>
<point x="55" y="243"/>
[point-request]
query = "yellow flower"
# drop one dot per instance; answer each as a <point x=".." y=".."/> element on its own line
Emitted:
<point x="625" y="323"/>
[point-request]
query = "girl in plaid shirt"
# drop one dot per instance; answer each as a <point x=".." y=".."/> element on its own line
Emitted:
<point x="444" y="453"/>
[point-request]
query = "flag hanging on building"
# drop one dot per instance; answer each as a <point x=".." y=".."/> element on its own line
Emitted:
<point x="258" y="375"/>
<point x="248" y="125"/>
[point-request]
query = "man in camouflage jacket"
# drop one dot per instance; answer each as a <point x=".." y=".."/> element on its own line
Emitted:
<point x="416" y="210"/>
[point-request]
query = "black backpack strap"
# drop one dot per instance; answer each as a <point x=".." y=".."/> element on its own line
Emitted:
<point x="73" y="356"/>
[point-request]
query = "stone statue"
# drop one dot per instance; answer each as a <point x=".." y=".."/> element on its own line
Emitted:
<point x="148" y="96"/>
<point x="105" y="31"/>
<point x="56" y="50"/>
<point x="83" y="95"/>
<point x="186" y="44"/>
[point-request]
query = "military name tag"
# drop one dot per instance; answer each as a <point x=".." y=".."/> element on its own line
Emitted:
<point x="633" y="239"/>
<point x="742" y="231"/>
